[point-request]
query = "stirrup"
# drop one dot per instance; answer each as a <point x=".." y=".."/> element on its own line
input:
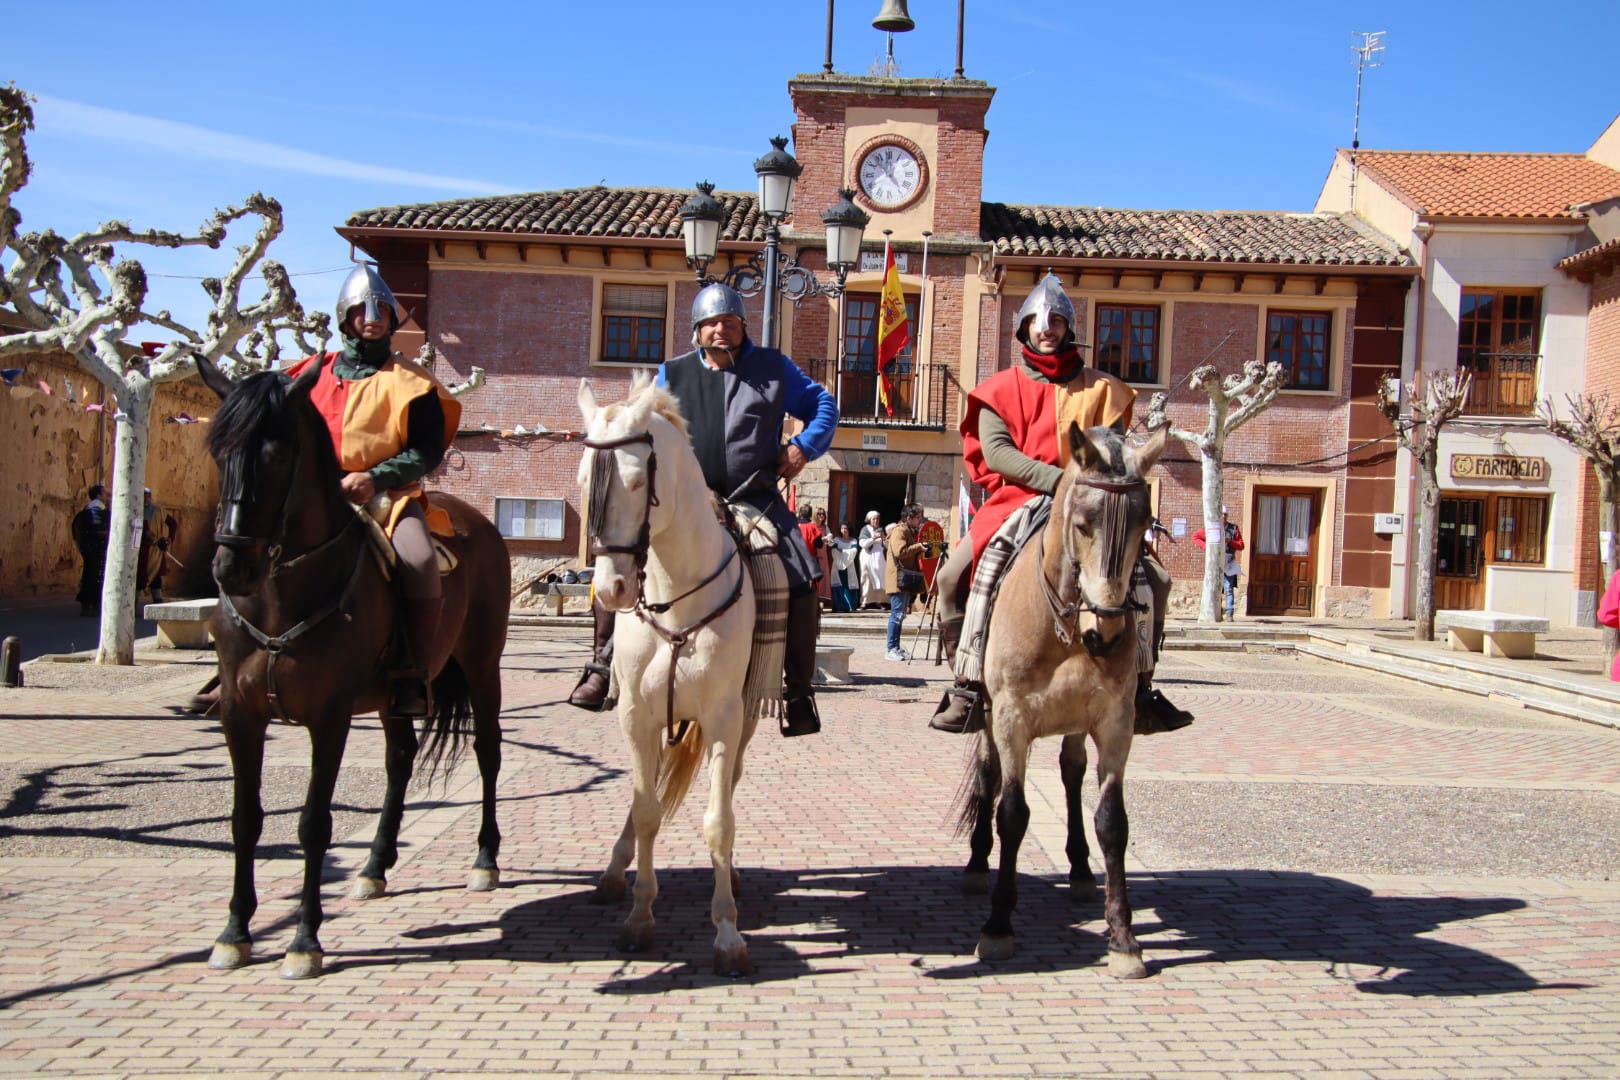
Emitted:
<point x="961" y="710"/>
<point x="409" y="695"/>
<point x="799" y="716"/>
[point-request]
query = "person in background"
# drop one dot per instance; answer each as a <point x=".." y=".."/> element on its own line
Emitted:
<point x="846" y="570"/>
<point x="903" y="579"/>
<point x="873" y="593"/>
<point x="1231" y="544"/>
<point x="90" y="528"/>
<point x="813" y="528"/>
<point x="1609" y="615"/>
<point x="157" y="533"/>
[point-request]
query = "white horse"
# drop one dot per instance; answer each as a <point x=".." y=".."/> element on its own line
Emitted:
<point x="664" y="561"/>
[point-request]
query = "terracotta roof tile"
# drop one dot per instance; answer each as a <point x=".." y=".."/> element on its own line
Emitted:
<point x="1442" y="184"/>
<point x="593" y="212"/>
<point x="1058" y="231"/>
<point x="1186" y="235"/>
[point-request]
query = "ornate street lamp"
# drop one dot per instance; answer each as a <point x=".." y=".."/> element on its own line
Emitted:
<point x="772" y="272"/>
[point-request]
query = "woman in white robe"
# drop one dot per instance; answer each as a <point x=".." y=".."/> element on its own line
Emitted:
<point x="873" y="553"/>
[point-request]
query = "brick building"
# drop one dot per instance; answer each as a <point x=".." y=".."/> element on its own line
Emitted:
<point x="543" y="288"/>
<point x="1516" y="284"/>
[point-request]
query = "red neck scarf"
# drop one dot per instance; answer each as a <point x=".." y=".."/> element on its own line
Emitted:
<point x="1060" y="366"/>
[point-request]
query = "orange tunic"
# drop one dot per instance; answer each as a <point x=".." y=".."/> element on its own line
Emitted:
<point x="369" y="422"/>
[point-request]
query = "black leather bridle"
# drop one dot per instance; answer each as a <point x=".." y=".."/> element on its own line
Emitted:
<point x="1114" y="534"/>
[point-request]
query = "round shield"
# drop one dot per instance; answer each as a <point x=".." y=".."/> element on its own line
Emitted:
<point x="932" y="533"/>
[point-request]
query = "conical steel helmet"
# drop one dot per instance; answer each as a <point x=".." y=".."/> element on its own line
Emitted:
<point x="1047" y="299"/>
<point x="364" y="286"/>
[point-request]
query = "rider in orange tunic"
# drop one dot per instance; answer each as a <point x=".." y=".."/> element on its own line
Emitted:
<point x="390" y="422"/>
<point x="1012" y="447"/>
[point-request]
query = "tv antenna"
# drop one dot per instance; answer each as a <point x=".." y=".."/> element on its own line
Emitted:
<point x="1366" y="46"/>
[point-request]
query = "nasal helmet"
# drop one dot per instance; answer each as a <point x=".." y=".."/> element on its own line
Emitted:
<point x="364" y="286"/>
<point x="1047" y="299"/>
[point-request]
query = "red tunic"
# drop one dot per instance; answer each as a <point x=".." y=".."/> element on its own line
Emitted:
<point x="1034" y="413"/>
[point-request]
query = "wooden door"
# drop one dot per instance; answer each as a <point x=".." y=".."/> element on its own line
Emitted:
<point x="1459" y="567"/>
<point x="1282" y="552"/>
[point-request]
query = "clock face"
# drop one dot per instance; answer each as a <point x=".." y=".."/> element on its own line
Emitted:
<point x="890" y="176"/>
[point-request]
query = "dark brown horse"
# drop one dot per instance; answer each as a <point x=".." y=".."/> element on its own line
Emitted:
<point x="1060" y="659"/>
<point x="307" y="632"/>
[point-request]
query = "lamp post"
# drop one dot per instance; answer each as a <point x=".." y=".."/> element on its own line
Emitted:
<point x="771" y="271"/>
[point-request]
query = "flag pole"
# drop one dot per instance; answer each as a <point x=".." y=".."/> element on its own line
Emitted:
<point x="922" y="329"/>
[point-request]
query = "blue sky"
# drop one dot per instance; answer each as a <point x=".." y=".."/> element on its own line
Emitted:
<point x="159" y="113"/>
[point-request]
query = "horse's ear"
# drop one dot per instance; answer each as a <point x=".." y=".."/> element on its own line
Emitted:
<point x="1148" y="456"/>
<point x="1082" y="449"/>
<point x="587" y="401"/>
<point x="213" y="378"/>
<point x="307" y="378"/>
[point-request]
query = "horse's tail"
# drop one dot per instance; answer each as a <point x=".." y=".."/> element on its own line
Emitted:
<point x="976" y="795"/>
<point x="676" y="767"/>
<point x="445" y="731"/>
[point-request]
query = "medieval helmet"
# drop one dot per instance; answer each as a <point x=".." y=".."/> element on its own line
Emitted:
<point x="713" y="301"/>
<point x="1047" y="299"/>
<point x="364" y="286"/>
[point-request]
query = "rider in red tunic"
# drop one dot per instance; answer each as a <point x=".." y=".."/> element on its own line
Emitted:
<point x="1011" y="446"/>
<point x="390" y="422"/>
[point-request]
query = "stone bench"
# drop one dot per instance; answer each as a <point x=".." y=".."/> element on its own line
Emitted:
<point x="832" y="664"/>
<point x="182" y="624"/>
<point x="1495" y="633"/>
<point x="559" y="599"/>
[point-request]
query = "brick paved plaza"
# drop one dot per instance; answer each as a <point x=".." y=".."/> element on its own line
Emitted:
<point x="1334" y="874"/>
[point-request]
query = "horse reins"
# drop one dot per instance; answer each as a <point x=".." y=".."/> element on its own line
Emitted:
<point x="1115" y="534"/>
<point x="639" y="550"/>
<point x="275" y="645"/>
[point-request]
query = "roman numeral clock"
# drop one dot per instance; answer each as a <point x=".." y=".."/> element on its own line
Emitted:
<point x="890" y="173"/>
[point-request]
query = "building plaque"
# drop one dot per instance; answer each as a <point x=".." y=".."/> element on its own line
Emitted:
<point x="874" y="440"/>
<point x="1498" y="467"/>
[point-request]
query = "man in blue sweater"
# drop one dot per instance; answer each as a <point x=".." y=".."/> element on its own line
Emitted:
<point x="736" y="397"/>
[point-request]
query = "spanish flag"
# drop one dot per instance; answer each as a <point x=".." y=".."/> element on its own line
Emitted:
<point x="894" y="327"/>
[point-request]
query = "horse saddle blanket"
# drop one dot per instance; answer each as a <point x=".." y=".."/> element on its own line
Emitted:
<point x="762" y="688"/>
<point x="382" y="548"/>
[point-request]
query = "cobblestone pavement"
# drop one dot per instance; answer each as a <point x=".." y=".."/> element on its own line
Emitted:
<point x="1333" y="874"/>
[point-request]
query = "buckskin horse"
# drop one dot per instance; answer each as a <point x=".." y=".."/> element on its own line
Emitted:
<point x="1060" y="659"/>
<point x="676" y="575"/>
<point x="306" y="632"/>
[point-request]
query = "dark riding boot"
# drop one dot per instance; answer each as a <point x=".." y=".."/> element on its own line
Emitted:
<point x="408" y="695"/>
<point x="799" y="668"/>
<point x="961" y="710"/>
<point x="1155" y="713"/>
<point x="591" y="693"/>
<point x="204" y="702"/>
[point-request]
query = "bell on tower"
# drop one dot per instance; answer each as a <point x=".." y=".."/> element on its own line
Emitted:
<point x="894" y="18"/>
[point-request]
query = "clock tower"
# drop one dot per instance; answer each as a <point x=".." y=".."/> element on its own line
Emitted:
<point x="912" y="149"/>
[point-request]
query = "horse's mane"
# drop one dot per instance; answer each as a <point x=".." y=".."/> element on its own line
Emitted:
<point x="647" y="398"/>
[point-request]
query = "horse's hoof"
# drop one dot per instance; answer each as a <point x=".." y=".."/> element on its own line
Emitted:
<point x="636" y="938"/>
<point x="484" y="880"/>
<point x="975" y="882"/>
<point x="1124" y="965"/>
<point x="301" y="965"/>
<point x="368" y="888"/>
<point x="993" y="949"/>
<point x="608" y="892"/>
<point x="229" y="957"/>
<point x="1082" y="888"/>
<point x="733" y="961"/>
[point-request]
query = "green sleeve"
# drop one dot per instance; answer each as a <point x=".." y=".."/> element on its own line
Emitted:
<point x="1003" y="456"/>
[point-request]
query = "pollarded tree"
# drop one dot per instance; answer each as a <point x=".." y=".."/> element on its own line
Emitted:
<point x="1593" y="429"/>
<point x="1445" y="394"/>
<point x="1233" y="401"/>
<point x="76" y="294"/>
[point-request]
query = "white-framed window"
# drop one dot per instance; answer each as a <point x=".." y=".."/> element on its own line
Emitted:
<point x="530" y="519"/>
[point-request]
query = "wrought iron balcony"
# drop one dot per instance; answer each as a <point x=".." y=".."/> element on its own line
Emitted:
<point x="1504" y="382"/>
<point x="917" y="397"/>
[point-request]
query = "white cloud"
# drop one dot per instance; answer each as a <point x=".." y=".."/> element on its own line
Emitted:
<point x="65" y="118"/>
